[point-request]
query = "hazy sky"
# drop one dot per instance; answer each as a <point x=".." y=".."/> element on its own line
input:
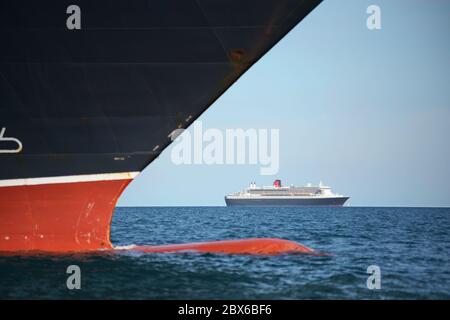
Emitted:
<point x="367" y="112"/>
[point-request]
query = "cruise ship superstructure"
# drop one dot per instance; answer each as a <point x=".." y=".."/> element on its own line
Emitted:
<point x="278" y="195"/>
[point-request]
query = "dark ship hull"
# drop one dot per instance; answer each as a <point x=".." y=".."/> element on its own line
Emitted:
<point x="288" y="202"/>
<point x="82" y="112"/>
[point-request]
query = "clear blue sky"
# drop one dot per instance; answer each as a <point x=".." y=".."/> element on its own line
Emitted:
<point x="366" y="112"/>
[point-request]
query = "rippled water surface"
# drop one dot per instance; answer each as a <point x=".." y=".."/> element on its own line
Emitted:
<point x="410" y="245"/>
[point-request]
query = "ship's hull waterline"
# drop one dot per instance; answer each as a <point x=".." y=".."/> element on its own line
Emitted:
<point x="104" y="99"/>
<point x="287" y="202"/>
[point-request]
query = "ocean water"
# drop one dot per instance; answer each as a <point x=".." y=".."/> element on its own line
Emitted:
<point x="411" y="246"/>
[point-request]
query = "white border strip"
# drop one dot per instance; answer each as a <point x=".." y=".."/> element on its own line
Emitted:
<point x="69" y="179"/>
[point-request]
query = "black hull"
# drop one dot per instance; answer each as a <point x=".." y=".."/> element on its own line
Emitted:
<point x="322" y="202"/>
<point x="105" y="98"/>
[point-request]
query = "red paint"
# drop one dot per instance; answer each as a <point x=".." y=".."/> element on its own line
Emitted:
<point x="262" y="246"/>
<point x="58" y="217"/>
<point x="76" y="217"/>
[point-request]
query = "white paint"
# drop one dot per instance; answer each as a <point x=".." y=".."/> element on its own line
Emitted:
<point x="129" y="247"/>
<point x="68" y="179"/>
<point x="15" y="140"/>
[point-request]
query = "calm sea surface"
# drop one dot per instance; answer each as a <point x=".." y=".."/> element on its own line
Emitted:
<point x="410" y="245"/>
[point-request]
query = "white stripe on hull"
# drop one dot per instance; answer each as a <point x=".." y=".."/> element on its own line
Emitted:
<point x="69" y="179"/>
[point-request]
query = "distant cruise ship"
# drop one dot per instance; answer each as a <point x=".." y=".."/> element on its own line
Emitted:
<point x="278" y="195"/>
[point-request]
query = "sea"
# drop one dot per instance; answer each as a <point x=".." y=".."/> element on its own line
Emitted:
<point x="409" y="249"/>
